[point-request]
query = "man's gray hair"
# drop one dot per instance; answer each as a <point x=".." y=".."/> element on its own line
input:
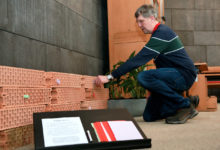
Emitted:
<point x="146" y="11"/>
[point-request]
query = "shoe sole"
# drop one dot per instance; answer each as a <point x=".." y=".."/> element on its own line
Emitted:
<point x="193" y="114"/>
<point x="190" y="116"/>
<point x="178" y="122"/>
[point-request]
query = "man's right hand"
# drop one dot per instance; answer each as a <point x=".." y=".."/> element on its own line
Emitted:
<point x="101" y="80"/>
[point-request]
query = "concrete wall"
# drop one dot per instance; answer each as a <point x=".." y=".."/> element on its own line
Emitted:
<point x="197" y="22"/>
<point x="54" y="35"/>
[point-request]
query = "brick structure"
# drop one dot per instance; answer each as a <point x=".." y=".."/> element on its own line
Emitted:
<point x="16" y="137"/>
<point x="25" y="91"/>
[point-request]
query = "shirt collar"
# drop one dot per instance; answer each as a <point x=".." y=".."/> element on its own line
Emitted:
<point x="156" y="26"/>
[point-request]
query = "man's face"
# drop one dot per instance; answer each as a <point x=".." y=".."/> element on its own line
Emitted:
<point x="144" y="24"/>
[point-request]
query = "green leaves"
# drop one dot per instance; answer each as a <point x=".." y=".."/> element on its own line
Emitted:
<point x="127" y="84"/>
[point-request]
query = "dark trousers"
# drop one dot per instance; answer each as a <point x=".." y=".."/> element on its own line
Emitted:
<point x="165" y="84"/>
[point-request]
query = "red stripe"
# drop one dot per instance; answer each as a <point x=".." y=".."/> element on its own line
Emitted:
<point x="100" y="132"/>
<point x="109" y="130"/>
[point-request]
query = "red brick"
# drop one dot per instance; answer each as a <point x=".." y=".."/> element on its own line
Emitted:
<point x="57" y="79"/>
<point x="65" y="107"/>
<point x="97" y="94"/>
<point x="94" y="104"/>
<point x="11" y="96"/>
<point x="18" y="116"/>
<point x="12" y="76"/>
<point x="212" y="103"/>
<point x="67" y="95"/>
<point x="88" y="82"/>
<point x="16" y="137"/>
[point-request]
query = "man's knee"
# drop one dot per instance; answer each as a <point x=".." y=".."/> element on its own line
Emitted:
<point x="140" y="77"/>
<point x="144" y="78"/>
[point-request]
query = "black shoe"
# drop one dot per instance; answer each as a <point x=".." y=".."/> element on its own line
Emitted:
<point x="194" y="100"/>
<point x="194" y="113"/>
<point x="182" y="115"/>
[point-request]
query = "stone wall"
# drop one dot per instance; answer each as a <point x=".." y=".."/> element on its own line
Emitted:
<point x="54" y="35"/>
<point x="197" y="22"/>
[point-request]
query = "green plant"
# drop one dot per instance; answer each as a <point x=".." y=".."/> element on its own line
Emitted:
<point x="127" y="83"/>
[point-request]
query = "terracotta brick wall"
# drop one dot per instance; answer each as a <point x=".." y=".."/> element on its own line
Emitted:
<point x="26" y="91"/>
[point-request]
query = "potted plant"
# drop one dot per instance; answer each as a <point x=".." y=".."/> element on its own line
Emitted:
<point x="126" y="92"/>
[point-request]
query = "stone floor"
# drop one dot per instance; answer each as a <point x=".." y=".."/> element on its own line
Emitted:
<point x="199" y="133"/>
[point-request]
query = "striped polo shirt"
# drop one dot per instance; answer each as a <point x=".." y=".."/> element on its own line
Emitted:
<point x="167" y="51"/>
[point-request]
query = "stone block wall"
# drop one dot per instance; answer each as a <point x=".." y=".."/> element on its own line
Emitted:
<point x="54" y="35"/>
<point x="197" y="22"/>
